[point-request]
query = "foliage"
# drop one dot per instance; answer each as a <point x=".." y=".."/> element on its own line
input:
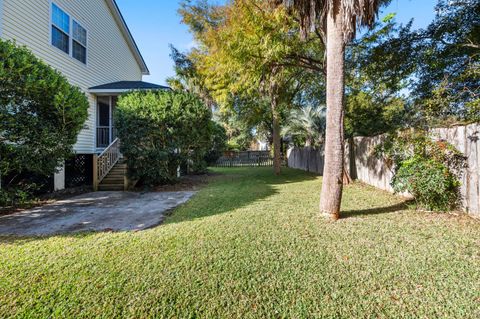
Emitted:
<point x="239" y="133"/>
<point x="312" y="14"/>
<point x="375" y="78"/>
<point x="449" y="104"/>
<point x="251" y="58"/>
<point x="14" y="196"/>
<point x="246" y="119"/>
<point x="427" y="169"/>
<point x="160" y="130"/>
<point x="448" y="85"/>
<point x="218" y="143"/>
<point x="430" y="182"/>
<point x="41" y="115"/>
<point x="443" y="61"/>
<point x="250" y="240"/>
<point x="249" y="45"/>
<point x="188" y="78"/>
<point x="306" y="126"/>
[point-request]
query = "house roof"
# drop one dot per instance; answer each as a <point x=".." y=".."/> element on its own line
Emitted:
<point x="128" y="35"/>
<point x="125" y="86"/>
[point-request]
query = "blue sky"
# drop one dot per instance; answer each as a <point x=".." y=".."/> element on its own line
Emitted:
<point x="156" y="24"/>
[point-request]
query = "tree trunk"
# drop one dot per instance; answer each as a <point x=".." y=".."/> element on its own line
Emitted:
<point x="332" y="187"/>
<point x="277" y="161"/>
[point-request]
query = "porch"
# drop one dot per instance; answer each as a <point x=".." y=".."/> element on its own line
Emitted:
<point x="105" y="131"/>
<point x="109" y="170"/>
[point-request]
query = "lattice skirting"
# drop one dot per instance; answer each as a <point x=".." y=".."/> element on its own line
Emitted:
<point x="79" y="171"/>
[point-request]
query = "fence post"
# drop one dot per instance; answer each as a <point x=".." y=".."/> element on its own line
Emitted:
<point x="95" y="172"/>
<point x="126" y="180"/>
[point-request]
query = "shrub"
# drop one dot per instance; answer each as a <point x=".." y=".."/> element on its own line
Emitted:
<point x="160" y="130"/>
<point x="429" y="170"/>
<point x="41" y="115"/>
<point x="432" y="183"/>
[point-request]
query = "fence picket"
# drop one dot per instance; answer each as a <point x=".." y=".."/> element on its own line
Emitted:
<point x="245" y="159"/>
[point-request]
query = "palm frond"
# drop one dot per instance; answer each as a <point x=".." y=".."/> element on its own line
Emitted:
<point x="306" y="124"/>
<point x="355" y="13"/>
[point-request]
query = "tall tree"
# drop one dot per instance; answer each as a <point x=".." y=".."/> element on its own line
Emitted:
<point x="336" y="21"/>
<point x="248" y="48"/>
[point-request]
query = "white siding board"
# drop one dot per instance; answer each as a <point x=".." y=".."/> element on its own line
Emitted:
<point x="109" y="57"/>
<point x="1" y="17"/>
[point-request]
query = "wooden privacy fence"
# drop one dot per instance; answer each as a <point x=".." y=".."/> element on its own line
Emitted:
<point x="363" y="165"/>
<point x="247" y="158"/>
<point x="308" y="159"/>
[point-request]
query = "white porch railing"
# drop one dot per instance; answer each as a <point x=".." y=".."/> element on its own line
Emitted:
<point x="103" y="163"/>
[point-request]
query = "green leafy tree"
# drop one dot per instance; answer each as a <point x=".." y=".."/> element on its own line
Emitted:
<point x="249" y="49"/>
<point x="239" y="120"/>
<point x="444" y="63"/>
<point x="41" y="115"/>
<point x="188" y="78"/>
<point x="450" y="54"/>
<point x="375" y="80"/>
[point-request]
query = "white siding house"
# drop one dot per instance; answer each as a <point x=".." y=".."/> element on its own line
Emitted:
<point x="89" y="42"/>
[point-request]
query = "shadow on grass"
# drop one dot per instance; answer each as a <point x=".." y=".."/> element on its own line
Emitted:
<point x="236" y="188"/>
<point x="230" y="189"/>
<point x="377" y="210"/>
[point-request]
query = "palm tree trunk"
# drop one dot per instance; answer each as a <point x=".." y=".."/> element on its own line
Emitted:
<point x="332" y="187"/>
<point x="277" y="164"/>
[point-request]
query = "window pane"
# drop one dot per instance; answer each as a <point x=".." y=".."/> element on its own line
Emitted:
<point x="60" y="19"/>
<point x="79" y="52"/>
<point x="60" y="40"/>
<point x="79" y="34"/>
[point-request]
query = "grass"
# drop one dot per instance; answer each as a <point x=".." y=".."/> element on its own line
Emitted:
<point x="250" y="245"/>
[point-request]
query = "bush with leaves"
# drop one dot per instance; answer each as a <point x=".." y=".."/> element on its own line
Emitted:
<point x="429" y="170"/>
<point x="160" y="130"/>
<point x="41" y="115"/>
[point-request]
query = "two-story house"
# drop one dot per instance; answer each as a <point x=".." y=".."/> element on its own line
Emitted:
<point x="89" y="42"/>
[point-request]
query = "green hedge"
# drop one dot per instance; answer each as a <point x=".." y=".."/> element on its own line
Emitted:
<point x="41" y="115"/>
<point x="160" y="131"/>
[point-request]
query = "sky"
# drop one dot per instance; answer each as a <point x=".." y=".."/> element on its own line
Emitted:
<point x="156" y="24"/>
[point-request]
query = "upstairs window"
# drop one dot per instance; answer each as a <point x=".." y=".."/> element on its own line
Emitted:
<point x="68" y="35"/>
<point x="79" y="43"/>
<point x="60" y="29"/>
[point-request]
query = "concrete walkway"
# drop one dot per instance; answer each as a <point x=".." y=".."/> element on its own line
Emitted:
<point x="101" y="211"/>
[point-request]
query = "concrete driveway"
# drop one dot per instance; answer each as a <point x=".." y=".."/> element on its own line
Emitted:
<point x="100" y="211"/>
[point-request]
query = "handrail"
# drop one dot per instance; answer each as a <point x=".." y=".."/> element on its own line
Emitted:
<point x="113" y="144"/>
<point x="103" y="163"/>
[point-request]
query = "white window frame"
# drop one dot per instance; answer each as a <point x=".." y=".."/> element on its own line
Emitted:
<point x="70" y="34"/>
<point x="86" y="40"/>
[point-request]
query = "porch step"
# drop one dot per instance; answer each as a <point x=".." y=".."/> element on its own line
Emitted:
<point x="115" y="179"/>
<point x="111" y="187"/>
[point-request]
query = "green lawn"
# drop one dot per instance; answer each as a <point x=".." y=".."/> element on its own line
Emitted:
<point x="250" y="245"/>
